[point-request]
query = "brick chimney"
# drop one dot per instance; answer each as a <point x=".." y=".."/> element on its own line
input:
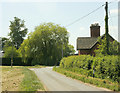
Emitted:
<point x="95" y="30"/>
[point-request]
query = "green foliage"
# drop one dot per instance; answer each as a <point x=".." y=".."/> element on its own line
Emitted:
<point x="68" y="50"/>
<point x="4" y="41"/>
<point x="113" y="48"/>
<point x="30" y="81"/>
<point x="86" y="79"/>
<point x="24" y="51"/>
<point x="101" y="48"/>
<point x="45" y="45"/>
<point x="17" y="61"/>
<point x="106" y="30"/>
<point x="9" y="51"/>
<point x="18" y="31"/>
<point x="105" y="67"/>
<point x="82" y="61"/>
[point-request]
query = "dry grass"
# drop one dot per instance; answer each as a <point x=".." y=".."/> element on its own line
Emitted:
<point x="19" y="78"/>
<point x="11" y="78"/>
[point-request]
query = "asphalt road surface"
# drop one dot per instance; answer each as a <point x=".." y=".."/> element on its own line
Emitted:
<point x="58" y="82"/>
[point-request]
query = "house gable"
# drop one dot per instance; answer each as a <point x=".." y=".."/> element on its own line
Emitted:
<point x="87" y="45"/>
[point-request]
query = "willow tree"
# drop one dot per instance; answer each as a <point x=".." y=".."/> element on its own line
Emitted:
<point x="46" y="43"/>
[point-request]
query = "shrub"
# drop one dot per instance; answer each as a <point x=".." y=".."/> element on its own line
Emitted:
<point x="95" y="81"/>
<point x="105" y="67"/>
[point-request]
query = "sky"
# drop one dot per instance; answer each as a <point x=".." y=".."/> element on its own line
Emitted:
<point x="35" y="12"/>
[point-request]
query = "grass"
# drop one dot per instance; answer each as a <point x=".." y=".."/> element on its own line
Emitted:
<point x="94" y="81"/>
<point x="30" y="81"/>
<point x="19" y="78"/>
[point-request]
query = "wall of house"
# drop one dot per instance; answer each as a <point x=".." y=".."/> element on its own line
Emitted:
<point x="84" y="52"/>
<point x="92" y="52"/>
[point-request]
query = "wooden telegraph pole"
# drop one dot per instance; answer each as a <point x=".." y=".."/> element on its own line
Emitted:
<point x="106" y="29"/>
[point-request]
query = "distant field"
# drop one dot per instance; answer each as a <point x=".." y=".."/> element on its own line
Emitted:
<point x="19" y="78"/>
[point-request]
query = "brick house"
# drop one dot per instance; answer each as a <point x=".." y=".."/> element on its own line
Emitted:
<point x="87" y="45"/>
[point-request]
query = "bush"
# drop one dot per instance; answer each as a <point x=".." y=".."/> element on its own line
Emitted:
<point x="95" y="81"/>
<point x="104" y="67"/>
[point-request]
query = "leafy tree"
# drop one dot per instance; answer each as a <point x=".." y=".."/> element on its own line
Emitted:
<point x="24" y="50"/>
<point x="4" y="40"/>
<point x="69" y="50"/>
<point x="9" y="51"/>
<point x="45" y="44"/>
<point x="18" y="31"/>
<point x="113" y="47"/>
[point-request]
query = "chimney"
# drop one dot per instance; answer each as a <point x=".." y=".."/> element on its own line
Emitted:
<point x="95" y="30"/>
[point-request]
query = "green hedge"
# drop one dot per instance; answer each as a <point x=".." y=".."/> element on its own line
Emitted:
<point x="16" y="62"/>
<point x="105" y="67"/>
<point x="95" y="81"/>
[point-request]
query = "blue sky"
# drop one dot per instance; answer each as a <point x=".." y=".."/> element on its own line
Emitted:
<point x="63" y="13"/>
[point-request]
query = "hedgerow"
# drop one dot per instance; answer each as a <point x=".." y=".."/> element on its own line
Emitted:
<point x="106" y="67"/>
<point x="95" y="81"/>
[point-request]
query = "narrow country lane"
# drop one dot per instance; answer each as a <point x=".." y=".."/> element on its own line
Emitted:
<point x="58" y="82"/>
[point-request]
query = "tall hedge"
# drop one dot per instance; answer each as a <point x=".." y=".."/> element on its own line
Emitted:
<point x="104" y="67"/>
<point x="16" y="62"/>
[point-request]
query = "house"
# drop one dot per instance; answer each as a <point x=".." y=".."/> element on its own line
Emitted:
<point x="87" y="45"/>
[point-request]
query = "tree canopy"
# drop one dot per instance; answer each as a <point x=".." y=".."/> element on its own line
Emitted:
<point x="113" y="47"/>
<point x="11" y="51"/>
<point x="45" y="44"/>
<point x="18" y="31"/>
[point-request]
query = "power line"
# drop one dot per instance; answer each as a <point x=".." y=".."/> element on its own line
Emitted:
<point x="88" y="14"/>
<point x="85" y="15"/>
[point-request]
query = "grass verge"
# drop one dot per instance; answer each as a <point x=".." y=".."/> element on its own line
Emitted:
<point x="30" y="81"/>
<point x="95" y="81"/>
<point x="19" y="78"/>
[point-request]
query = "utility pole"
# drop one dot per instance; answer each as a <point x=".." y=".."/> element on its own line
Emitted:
<point x="106" y="29"/>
